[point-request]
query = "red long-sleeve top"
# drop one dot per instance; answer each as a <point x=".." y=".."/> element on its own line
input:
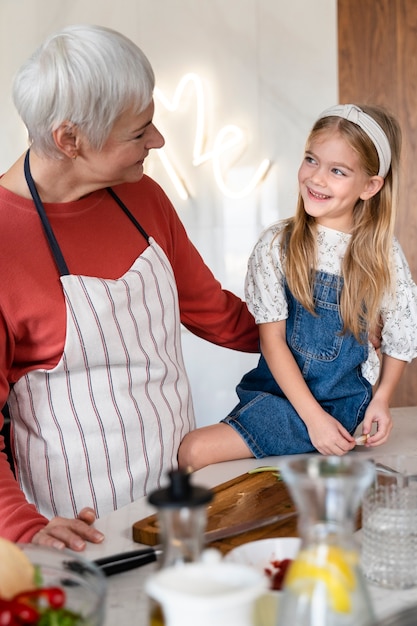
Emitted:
<point x="97" y="239"/>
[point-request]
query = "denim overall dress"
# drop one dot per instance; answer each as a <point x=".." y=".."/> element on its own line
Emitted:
<point x="331" y="366"/>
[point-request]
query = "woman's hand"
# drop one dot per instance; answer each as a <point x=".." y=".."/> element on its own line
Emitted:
<point x="62" y="532"/>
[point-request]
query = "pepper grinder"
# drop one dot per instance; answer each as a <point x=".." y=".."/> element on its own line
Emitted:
<point x="182" y="516"/>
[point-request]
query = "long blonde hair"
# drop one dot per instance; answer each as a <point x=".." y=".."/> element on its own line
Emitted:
<point x="366" y="267"/>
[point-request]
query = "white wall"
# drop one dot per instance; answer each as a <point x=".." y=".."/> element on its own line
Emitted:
<point x="266" y="66"/>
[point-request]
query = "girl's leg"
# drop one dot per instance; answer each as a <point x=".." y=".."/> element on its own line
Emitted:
<point x="211" y="444"/>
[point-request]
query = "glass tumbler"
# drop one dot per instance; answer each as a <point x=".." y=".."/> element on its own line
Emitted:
<point x="389" y="524"/>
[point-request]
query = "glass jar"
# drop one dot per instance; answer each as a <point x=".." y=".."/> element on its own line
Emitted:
<point x="389" y="524"/>
<point x="324" y="585"/>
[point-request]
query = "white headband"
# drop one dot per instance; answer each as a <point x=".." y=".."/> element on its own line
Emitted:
<point x="354" y="114"/>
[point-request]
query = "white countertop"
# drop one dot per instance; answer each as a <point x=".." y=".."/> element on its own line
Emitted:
<point x="126" y="599"/>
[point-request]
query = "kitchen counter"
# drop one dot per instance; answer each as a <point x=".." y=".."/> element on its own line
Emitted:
<point x="126" y="599"/>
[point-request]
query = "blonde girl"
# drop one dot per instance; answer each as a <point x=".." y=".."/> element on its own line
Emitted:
<point x="317" y="285"/>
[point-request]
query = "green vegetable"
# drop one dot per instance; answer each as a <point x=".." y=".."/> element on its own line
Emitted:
<point x="267" y="468"/>
<point x="60" y="617"/>
<point x="37" y="576"/>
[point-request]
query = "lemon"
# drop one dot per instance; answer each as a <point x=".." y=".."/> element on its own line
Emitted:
<point x="17" y="573"/>
<point x="330" y="565"/>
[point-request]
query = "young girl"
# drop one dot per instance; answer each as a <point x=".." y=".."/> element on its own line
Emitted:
<point x="317" y="284"/>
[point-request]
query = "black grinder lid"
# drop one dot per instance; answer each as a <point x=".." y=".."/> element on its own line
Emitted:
<point x="180" y="492"/>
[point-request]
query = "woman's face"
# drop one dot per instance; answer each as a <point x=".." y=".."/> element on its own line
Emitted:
<point x="331" y="181"/>
<point x="122" y="156"/>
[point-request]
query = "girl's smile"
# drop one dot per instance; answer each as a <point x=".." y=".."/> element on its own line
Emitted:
<point x="317" y="196"/>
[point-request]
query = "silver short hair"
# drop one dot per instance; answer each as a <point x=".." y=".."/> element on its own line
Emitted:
<point x="86" y="75"/>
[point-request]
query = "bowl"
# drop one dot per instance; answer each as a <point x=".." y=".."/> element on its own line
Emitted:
<point x="82" y="581"/>
<point x="260" y="554"/>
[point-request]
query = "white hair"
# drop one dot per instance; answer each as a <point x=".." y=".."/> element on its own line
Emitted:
<point x="85" y="75"/>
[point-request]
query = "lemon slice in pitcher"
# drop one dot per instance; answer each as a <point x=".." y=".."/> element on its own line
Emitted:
<point x="330" y="565"/>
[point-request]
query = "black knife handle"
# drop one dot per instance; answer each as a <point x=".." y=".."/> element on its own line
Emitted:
<point x="125" y="561"/>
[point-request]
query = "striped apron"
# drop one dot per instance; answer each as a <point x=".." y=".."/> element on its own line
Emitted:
<point x="103" y="427"/>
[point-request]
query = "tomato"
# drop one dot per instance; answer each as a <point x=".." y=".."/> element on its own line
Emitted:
<point x="6" y="614"/>
<point x="54" y="596"/>
<point x="14" y="612"/>
<point x="26" y="608"/>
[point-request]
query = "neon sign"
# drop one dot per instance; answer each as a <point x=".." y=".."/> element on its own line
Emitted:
<point x="229" y="137"/>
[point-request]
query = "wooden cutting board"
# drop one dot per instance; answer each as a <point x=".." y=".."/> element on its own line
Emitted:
<point x="245" y="498"/>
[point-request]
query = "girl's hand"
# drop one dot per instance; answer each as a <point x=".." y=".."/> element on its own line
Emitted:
<point x="378" y="410"/>
<point x="375" y="335"/>
<point x="377" y="413"/>
<point x="62" y="532"/>
<point x="328" y="435"/>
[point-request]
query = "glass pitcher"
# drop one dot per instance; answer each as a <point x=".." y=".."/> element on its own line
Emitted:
<point x="324" y="585"/>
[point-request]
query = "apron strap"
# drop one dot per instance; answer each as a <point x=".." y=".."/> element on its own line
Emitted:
<point x="128" y="213"/>
<point x="55" y="249"/>
<point x="53" y="243"/>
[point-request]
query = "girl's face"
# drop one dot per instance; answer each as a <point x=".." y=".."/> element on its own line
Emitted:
<point x="121" y="158"/>
<point x="331" y="181"/>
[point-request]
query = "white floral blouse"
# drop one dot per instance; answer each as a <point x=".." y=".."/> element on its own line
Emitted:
<point x="265" y="293"/>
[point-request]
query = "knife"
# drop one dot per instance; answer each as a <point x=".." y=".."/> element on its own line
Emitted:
<point x="126" y="561"/>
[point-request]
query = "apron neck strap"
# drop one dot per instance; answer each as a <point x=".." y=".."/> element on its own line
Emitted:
<point x="128" y="213"/>
<point x="54" y="246"/>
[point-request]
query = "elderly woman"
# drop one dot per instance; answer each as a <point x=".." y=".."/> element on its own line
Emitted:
<point x="97" y="275"/>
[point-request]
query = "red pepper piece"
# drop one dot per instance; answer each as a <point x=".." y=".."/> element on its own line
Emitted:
<point x="278" y="577"/>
